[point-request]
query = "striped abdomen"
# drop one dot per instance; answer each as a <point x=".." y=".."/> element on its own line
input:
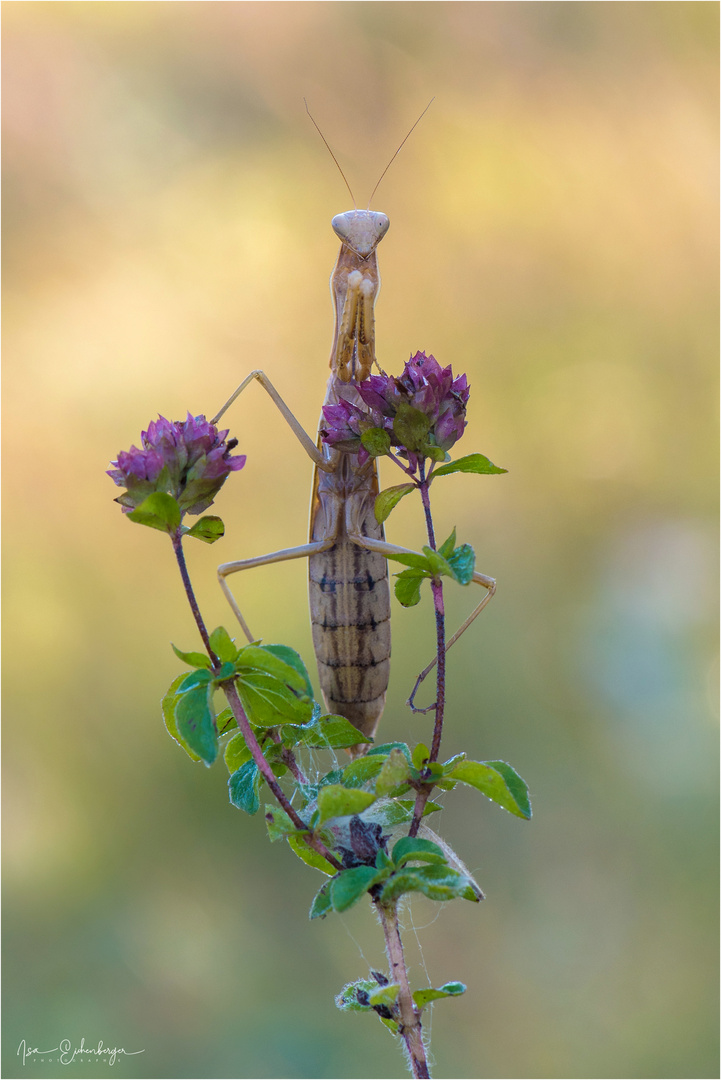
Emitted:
<point x="349" y="596"/>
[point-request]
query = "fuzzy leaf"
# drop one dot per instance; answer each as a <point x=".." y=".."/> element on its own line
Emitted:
<point x="350" y="885"/>
<point x="376" y="441"/>
<point x="208" y="529"/>
<point x="449" y="989"/>
<point x="278" y="823"/>
<point x="394" y="772"/>
<point x="362" y="770"/>
<point x="268" y="701"/>
<point x="244" y="786"/>
<point x="193" y="659"/>
<point x="299" y="845"/>
<point x="292" y="659"/>
<point x="355" y="997"/>
<point x="236" y="752"/>
<point x="411" y="427"/>
<point x="472" y="463"/>
<point x="158" y="511"/>
<point x="327" y="731"/>
<point x="168" y="706"/>
<point x="462" y="562"/>
<point x="415" y="847"/>
<point x="266" y="659"/>
<point x="195" y="722"/>
<point x="223" y="646"/>
<point x="387" y="500"/>
<point x="437" y="881"/>
<point x="338" y="801"/>
<point x="498" y="781"/>
<point x="408" y="587"/>
<point x="321" y="905"/>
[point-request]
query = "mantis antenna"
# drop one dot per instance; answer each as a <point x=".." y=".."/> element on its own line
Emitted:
<point x="331" y="152"/>
<point x="397" y="151"/>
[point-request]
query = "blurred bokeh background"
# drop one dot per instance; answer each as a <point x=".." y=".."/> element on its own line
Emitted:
<point x="167" y="211"/>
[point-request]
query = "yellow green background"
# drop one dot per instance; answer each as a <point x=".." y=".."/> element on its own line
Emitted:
<point x="167" y="211"/>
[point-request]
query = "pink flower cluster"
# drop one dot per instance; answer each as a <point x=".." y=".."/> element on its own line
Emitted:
<point x="423" y="411"/>
<point x="190" y="459"/>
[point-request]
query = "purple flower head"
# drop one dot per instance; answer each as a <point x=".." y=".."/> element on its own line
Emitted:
<point x="189" y="459"/>
<point x="423" y="411"/>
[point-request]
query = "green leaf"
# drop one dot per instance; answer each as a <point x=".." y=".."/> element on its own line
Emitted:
<point x="208" y="529"/>
<point x="449" y="989"/>
<point x="392" y="812"/>
<point x="408" y="587"/>
<point x="421" y="753"/>
<point x="278" y="823"/>
<point x="196" y="677"/>
<point x="376" y="441"/>
<point x="498" y="781"/>
<point x="236" y="752"/>
<point x="411" y="427"/>
<point x="244" y="786"/>
<point x="225" y="721"/>
<point x="194" y="659"/>
<point x="321" y="902"/>
<point x="355" y="997"/>
<point x="350" y="885"/>
<point x="300" y="846"/>
<point x="268" y="701"/>
<point x="411" y="558"/>
<point x="384" y="995"/>
<point x="338" y="801"/>
<point x="265" y="659"/>
<point x="437" y="564"/>
<point x="474" y="463"/>
<point x="463" y="562"/>
<point x="326" y="731"/>
<point x="449" y="765"/>
<point x="362" y="770"/>
<point x="437" y="882"/>
<point x="415" y="847"/>
<point x="384" y="749"/>
<point x="195" y="722"/>
<point x="168" y="706"/>
<point x="223" y="646"/>
<point x="448" y="545"/>
<point x="158" y="511"/>
<point x="292" y="659"/>
<point x="388" y="499"/>
<point x="394" y="772"/>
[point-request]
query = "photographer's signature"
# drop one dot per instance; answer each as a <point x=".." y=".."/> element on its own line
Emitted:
<point x="66" y="1053"/>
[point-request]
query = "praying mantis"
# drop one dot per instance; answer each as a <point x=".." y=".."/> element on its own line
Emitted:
<point x="346" y="551"/>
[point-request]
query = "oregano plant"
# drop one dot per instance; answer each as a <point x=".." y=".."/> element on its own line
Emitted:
<point x="360" y="824"/>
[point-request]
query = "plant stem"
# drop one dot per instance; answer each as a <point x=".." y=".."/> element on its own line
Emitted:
<point x="437" y="590"/>
<point x="238" y="711"/>
<point x="231" y="693"/>
<point x="177" y="540"/>
<point x="410" y="1020"/>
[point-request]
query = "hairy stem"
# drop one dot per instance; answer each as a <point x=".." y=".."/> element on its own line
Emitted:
<point x="437" y="590"/>
<point x="231" y="693"/>
<point x="177" y="540"/>
<point x="410" y="1020"/>
<point x="238" y="711"/>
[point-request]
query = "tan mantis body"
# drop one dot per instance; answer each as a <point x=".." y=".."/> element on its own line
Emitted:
<point x="349" y="594"/>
